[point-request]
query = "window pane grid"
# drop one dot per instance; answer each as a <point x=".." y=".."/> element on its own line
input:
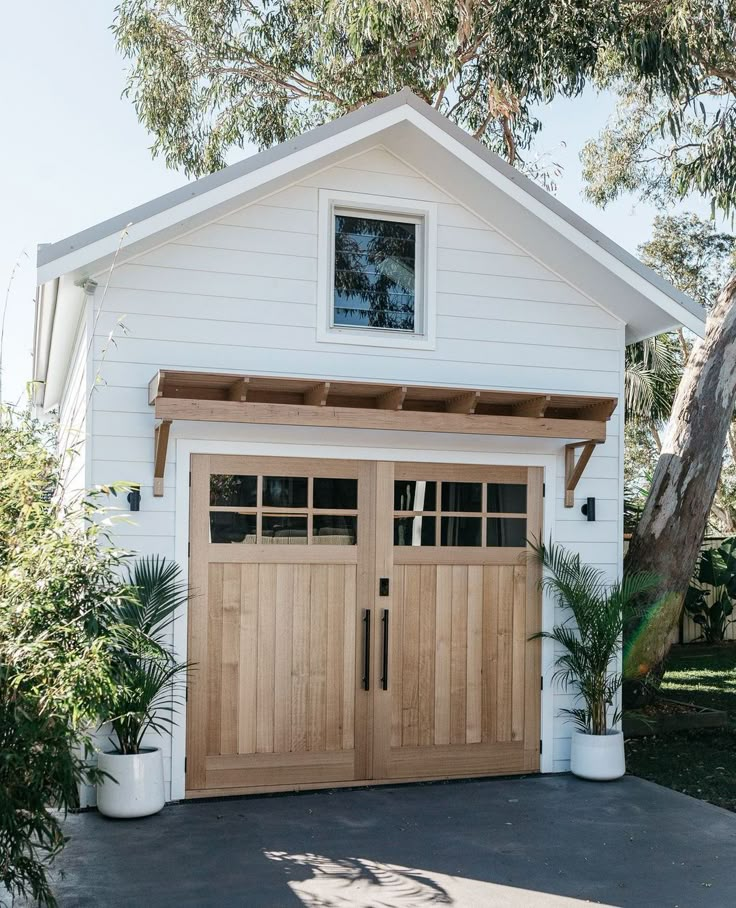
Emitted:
<point x="298" y="524"/>
<point x="479" y="528"/>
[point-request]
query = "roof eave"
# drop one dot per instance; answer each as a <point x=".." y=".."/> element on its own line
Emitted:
<point x="99" y="243"/>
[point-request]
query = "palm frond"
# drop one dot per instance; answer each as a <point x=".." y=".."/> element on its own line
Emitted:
<point x="652" y="374"/>
<point x="147" y="675"/>
<point x="589" y="640"/>
<point x="638" y="391"/>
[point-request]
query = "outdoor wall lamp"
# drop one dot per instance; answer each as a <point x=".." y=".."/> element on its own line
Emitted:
<point x="588" y="509"/>
<point x="134" y="498"/>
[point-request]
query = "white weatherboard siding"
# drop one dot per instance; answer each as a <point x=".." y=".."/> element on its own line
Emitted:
<point x="239" y="295"/>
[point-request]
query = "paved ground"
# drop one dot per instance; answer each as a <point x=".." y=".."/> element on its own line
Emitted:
<point x="543" y="842"/>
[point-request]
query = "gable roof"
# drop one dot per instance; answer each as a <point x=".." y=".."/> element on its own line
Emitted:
<point x="527" y="214"/>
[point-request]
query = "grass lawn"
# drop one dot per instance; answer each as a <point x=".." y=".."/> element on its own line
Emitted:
<point x="700" y="763"/>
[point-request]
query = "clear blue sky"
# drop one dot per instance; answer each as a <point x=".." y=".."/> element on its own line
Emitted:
<point x="72" y="151"/>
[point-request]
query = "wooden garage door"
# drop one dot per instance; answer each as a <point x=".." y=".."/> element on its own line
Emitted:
<point x="359" y="621"/>
<point x="460" y="679"/>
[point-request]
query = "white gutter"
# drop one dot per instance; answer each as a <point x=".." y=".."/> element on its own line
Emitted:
<point x="46" y="298"/>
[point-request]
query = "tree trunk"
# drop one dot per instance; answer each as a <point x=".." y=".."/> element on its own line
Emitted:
<point x="669" y="535"/>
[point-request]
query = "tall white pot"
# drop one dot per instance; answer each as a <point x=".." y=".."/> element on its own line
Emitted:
<point x="598" y="757"/>
<point x="136" y="788"/>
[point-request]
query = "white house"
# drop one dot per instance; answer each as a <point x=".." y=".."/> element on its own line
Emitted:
<point x="353" y="374"/>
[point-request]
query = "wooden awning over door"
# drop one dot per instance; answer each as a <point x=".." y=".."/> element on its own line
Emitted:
<point x="217" y="397"/>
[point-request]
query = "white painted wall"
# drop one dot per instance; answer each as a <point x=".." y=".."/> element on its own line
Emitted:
<point x="239" y="295"/>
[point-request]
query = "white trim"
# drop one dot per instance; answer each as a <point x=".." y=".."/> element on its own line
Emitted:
<point x="185" y="447"/>
<point x="425" y="335"/>
<point x="179" y="631"/>
<point x="621" y="493"/>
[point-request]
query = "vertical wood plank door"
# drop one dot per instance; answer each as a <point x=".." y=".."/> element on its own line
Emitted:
<point x="356" y="622"/>
<point x="278" y="563"/>
<point x="460" y="679"/>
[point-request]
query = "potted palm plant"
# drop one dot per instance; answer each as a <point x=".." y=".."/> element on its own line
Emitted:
<point x="147" y="679"/>
<point x="589" y="642"/>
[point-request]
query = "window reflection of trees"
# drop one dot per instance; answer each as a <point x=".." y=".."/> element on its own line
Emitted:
<point x="374" y="272"/>
<point x="232" y="490"/>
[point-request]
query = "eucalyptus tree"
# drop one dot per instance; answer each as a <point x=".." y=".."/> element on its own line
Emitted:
<point x="695" y="256"/>
<point x="671" y="138"/>
<point x="209" y="75"/>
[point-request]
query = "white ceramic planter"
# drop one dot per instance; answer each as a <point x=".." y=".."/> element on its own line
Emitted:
<point x="598" y="757"/>
<point x="138" y="789"/>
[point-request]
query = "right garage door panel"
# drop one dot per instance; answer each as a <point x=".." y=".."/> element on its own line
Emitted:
<point x="462" y="684"/>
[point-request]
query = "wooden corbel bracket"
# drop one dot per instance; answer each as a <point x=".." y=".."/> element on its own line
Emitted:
<point x="574" y="469"/>
<point x="160" y="444"/>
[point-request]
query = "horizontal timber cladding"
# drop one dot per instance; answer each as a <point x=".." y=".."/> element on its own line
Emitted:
<point x="358" y="621"/>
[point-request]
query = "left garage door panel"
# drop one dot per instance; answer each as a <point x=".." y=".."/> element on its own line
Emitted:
<point x="274" y="698"/>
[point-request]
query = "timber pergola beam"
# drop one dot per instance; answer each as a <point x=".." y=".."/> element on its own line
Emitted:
<point x="359" y="418"/>
<point x="275" y="400"/>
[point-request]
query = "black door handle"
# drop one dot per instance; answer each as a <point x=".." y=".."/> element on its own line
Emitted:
<point x="367" y="649"/>
<point x="384" y="667"/>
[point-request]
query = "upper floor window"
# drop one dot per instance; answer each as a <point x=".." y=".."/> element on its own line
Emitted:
<point x="376" y="270"/>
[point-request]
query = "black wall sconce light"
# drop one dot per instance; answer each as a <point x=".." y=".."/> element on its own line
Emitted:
<point x="588" y="509"/>
<point x="134" y="498"/>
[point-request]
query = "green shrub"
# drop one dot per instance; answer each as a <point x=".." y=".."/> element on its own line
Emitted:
<point x="58" y="576"/>
<point x="710" y="597"/>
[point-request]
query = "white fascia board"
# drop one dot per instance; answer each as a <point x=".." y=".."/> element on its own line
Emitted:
<point x="680" y="314"/>
<point x="115" y="243"/>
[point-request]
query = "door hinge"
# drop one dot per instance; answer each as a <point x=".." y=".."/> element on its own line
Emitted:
<point x="189" y="550"/>
<point x="185" y="764"/>
<point x="544" y="486"/>
<point x="190" y="479"/>
<point x="540" y="745"/>
<point x="541" y="682"/>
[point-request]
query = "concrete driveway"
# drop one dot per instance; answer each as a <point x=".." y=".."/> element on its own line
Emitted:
<point x="541" y="842"/>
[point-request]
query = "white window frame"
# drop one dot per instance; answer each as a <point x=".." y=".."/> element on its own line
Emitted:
<point x="424" y="214"/>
